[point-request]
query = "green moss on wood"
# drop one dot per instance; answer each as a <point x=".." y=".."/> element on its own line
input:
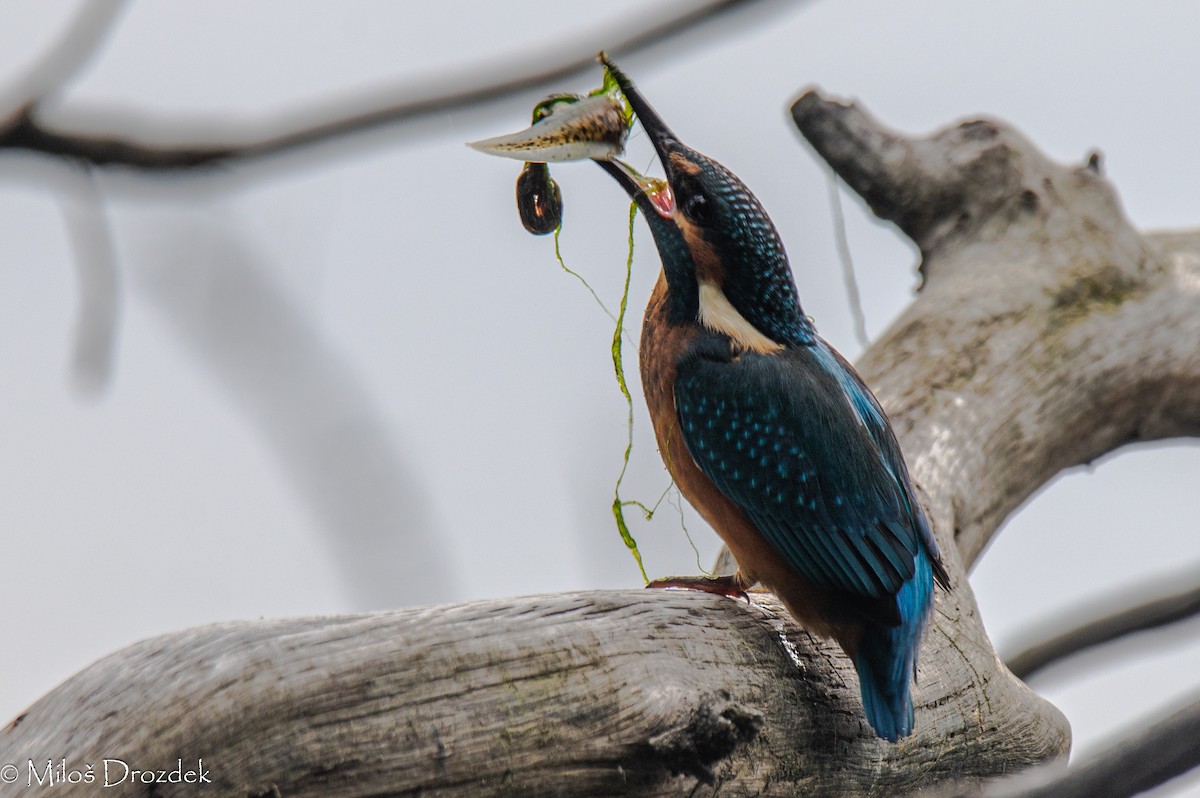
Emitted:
<point x="1103" y="291"/>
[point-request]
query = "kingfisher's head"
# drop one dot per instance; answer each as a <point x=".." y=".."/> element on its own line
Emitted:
<point x="724" y="262"/>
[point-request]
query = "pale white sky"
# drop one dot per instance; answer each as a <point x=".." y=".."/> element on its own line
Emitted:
<point x="397" y="291"/>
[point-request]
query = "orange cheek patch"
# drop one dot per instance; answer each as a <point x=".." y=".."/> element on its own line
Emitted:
<point x="681" y="164"/>
<point x="708" y="265"/>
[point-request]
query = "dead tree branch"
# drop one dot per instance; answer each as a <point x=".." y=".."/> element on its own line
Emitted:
<point x="1104" y="628"/>
<point x="1152" y="756"/>
<point x="367" y="496"/>
<point x="323" y="122"/>
<point x="1161" y="750"/>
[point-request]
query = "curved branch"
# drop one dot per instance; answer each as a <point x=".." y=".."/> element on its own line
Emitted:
<point x="1167" y="609"/>
<point x="1159" y="752"/>
<point x="362" y="487"/>
<point x="328" y="121"/>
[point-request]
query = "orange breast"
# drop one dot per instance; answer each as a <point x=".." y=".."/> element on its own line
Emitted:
<point x="661" y="346"/>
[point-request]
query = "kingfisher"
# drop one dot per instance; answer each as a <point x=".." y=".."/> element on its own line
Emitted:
<point x="770" y="433"/>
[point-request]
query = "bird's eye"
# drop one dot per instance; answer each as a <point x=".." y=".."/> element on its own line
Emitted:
<point x="696" y="207"/>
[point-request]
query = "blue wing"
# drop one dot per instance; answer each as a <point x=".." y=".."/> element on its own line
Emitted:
<point x="798" y="442"/>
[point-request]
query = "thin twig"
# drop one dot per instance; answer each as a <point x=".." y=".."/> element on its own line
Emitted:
<point x="326" y="121"/>
<point x="1167" y="609"/>
<point x="73" y="50"/>
<point x="843" y="248"/>
<point x="95" y="260"/>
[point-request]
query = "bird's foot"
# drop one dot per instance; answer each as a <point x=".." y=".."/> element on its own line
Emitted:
<point x="730" y="586"/>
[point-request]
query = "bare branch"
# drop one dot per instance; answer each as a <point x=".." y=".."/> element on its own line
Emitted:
<point x="95" y="260"/>
<point x="397" y="105"/>
<point x="1169" y="608"/>
<point x="843" y="248"/>
<point x="1157" y="753"/>
<point x="334" y="447"/>
<point x="861" y="151"/>
<point x="78" y="43"/>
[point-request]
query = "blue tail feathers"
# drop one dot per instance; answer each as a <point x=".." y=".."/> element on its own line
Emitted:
<point x="887" y="657"/>
<point x="888" y="704"/>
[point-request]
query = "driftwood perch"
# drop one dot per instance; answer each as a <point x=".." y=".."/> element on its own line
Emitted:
<point x="1048" y="332"/>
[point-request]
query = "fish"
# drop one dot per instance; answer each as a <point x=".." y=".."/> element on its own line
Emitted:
<point x="567" y="127"/>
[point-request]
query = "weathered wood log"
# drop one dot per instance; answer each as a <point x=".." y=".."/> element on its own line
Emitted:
<point x="600" y="693"/>
<point x="1048" y="331"/>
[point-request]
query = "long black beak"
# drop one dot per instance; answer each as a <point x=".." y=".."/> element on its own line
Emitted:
<point x="660" y="135"/>
<point x="657" y="193"/>
<point x="652" y="195"/>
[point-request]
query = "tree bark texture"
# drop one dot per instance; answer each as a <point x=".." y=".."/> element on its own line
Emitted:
<point x="1047" y="332"/>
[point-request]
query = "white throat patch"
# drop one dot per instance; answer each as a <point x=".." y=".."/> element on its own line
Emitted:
<point x="717" y="314"/>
